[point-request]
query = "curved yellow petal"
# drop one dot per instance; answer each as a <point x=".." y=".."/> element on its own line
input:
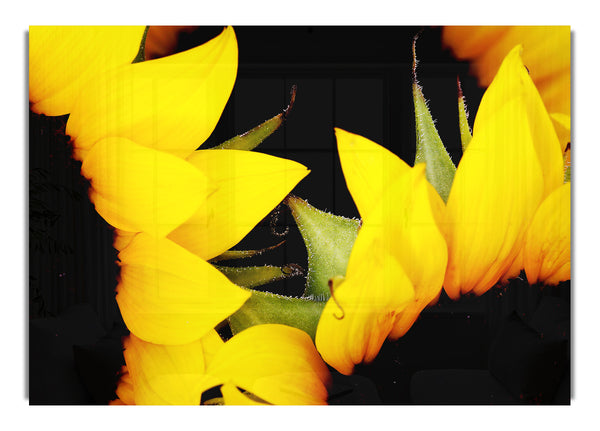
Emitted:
<point x="277" y="363"/>
<point x="135" y="188"/>
<point x="63" y="58"/>
<point x="411" y="211"/>
<point x="164" y="375"/>
<point x="357" y="320"/>
<point x="513" y="84"/>
<point x="168" y="295"/>
<point x="500" y="181"/>
<point x="171" y="104"/>
<point x="368" y="168"/>
<point x="248" y="186"/>
<point x="497" y="188"/>
<point x="547" y="251"/>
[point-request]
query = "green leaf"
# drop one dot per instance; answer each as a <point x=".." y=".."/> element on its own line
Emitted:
<point x="252" y="138"/>
<point x="141" y="55"/>
<point x="265" y="307"/>
<point x="439" y="168"/>
<point x="242" y="254"/>
<point x="253" y="276"/>
<point x="463" y="119"/>
<point x="328" y="239"/>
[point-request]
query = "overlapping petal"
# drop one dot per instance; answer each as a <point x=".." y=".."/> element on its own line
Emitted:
<point x="164" y="375"/>
<point x="168" y="295"/>
<point x="397" y="263"/>
<point x="248" y="186"/>
<point x="513" y="162"/>
<point x="62" y="59"/>
<point x="135" y="188"/>
<point x="276" y="363"/>
<point x="547" y="250"/>
<point x="172" y="103"/>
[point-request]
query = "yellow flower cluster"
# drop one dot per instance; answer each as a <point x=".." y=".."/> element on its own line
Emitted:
<point x="136" y="127"/>
<point x="508" y="210"/>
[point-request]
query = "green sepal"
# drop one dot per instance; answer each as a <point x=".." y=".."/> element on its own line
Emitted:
<point x="328" y="239"/>
<point x="463" y="119"/>
<point x="567" y="164"/>
<point x="242" y="254"/>
<point x="439" y="168"/>
<point x="265" y="307"/>
<point x="141" y="55"/>
<point x="253" y="276"/>
<point x="252" y="138"/>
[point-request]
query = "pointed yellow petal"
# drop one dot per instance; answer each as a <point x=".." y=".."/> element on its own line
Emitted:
<point x="513" y="84"/>
<point x="547" y="252"/>
<point x="277" y="363"/>
<point x="233" y="397"/>
<point x="135" y="188"/>
<point x="368" y="168"/>
<point x="357" y="320"/>
<point x="172" y="104"/>
<point x="249" y="185"/>
<point x="405" y="224"/>
<point x="63" y="58"/>
<point x="168" y="295"/>
<point x="499" y="182"/>
<point x="164" y="375"/>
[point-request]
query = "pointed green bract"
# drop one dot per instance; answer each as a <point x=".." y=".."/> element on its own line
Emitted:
<point x="242" y="254"/>
<point x="266" y="307"/>
<point x="463" y="121"/>
<point x="253" y="276"/>
<point x="439" y="168"/>
<point x="141" y="55"/>
<point x="328" y="239"/>
<point x="252" y="138"/>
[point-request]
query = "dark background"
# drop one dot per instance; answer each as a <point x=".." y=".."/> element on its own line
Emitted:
<point x="355" y="78"/>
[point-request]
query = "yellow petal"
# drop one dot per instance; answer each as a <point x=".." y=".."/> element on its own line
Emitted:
<point x="500" y="181"/>
<point x="357" y="320"/>
<point x="172" y="103"/>
<point x="63" y="58"/>
<point x="249" y="185"/>
<point x="513" y="84"/>
<point x="277" y="363"/>
<point x="405" y="224"/>
<point x="164" y="375"/>
<point x="547" y="252"/>
<point x="368" y="168"/>
<point x="135" y="188"/>
<point x="168" y="295"/>
<point x="497" y="187"/>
